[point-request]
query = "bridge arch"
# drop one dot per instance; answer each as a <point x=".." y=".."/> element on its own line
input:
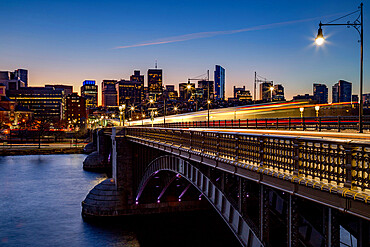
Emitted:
<point x="203" y="184"/>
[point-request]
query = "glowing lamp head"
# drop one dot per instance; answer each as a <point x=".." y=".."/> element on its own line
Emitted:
<point x="132" y="108"/>
<point x="188" y="86"/>
<point x="208" y="102"/>
<point x="301" y="109"/>
<point x="272" y="88"/>
<point x="175" y="108"/>
<point x="317" y="107"/>
<point x="320" y="37"/>
<point x="151" y="101"/>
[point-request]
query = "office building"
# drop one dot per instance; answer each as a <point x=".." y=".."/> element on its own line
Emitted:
<point x="208" y="88"/>
<point x="45" y="102"/>
<point x="155" y="82"/>
<point x="265" y="91"/>
<point x="137" y="77"/>
<point x="185" y="92"/>
<point x="22" y="74"/>
<point x="89" y="91"/>
<point x="109" y="93"/>
<point x="320" y="93"/>
<point x="66" y="88"/>
<point x="241" y="94"/>
<point x="278" y="93"/>
<point x="303" y="97"/>
<point x="16" y="76"/>
<point x="219" y="83"/>
<point x="75" y="112"/>
<point x="238" y="90"/>
<point x="170" y="92"/>
<point x="342" y="92"/>
<point x="130" y="92"/>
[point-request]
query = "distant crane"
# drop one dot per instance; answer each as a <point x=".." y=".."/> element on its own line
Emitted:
<point x="259" y="79"/>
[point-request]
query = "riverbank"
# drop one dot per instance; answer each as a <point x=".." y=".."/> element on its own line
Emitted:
<point x="44" y="150"/>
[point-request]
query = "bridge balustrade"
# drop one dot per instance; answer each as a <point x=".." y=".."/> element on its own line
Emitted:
<point x="338" y="163"/>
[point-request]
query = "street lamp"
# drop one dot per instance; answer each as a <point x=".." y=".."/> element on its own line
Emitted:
<point x="271" y="89"/>
<point x="208" y="103"/>
<point x="358" y="25"/>
<point x="301" y="109"/>
<point x="132" y="108"/>
<point x="317" y="108"/>
<point x="122" y="114"/>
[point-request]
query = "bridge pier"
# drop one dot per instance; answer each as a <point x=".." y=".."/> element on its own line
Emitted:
<point x="116" y="196"/>
<point x="98" y="161"/>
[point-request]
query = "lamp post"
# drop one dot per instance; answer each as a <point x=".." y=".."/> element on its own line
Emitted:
<point x="132" y="108"/>
<point x="271" y="89"/>
<point x="122" y="113"/>
<point x="301" y="109"/>
<point x="317" y="108"/>
<point x="208" y="103"/>
<point x="358" y="25"/>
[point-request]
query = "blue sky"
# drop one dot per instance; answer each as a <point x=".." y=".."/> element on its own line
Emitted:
<point x="66" y="42"/>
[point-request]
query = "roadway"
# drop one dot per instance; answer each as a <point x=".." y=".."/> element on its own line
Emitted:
<point x="349" y="136"/>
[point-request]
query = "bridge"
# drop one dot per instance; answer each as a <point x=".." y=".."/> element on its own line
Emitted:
<point x="271" y="190"/>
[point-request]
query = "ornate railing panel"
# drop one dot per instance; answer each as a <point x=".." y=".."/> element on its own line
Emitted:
<point x="338" y="163"/>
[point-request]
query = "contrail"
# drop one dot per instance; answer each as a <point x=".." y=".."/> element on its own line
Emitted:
<point x="201" y="35"/>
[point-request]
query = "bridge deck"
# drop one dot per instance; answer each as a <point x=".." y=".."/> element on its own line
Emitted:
<point x="317" y="169"/>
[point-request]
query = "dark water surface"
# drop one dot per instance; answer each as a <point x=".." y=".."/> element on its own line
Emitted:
<point x="40" y="205"/>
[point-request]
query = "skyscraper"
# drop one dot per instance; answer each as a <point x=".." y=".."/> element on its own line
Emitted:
<point x="154" y="81"/>
<point x="342" y="92"/>
<point x="89" y="91"/>
<point x="219" y="83"/>
<point x="109" y="93"/>
<point x="320" y="93"/>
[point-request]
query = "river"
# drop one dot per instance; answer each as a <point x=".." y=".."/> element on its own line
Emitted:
<point x="40" y="205"/>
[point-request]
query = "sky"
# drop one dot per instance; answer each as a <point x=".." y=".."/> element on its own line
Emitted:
<point x="67" y="42"/>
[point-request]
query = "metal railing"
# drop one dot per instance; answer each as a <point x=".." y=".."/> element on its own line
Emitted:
<point x="339" y="163"/>
<point x="306" y="123"/>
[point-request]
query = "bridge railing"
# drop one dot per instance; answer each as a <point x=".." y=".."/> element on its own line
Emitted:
<point x="338" y="123"/>
<point x="340" y="163"/>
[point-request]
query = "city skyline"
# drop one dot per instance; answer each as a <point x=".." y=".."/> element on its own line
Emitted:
<point x="70" y="43"/>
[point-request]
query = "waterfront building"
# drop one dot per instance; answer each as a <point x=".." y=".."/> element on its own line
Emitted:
<point x="75" y="112"/>
<point x="219" y="83"/>
<point x="109" y="93"/>
<point x="320" y="93"/>
<point x="342" y="92"/>
<point x="89" y="91"/>
<point x="11" y="114"/>
<point x="45" y="102"/>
